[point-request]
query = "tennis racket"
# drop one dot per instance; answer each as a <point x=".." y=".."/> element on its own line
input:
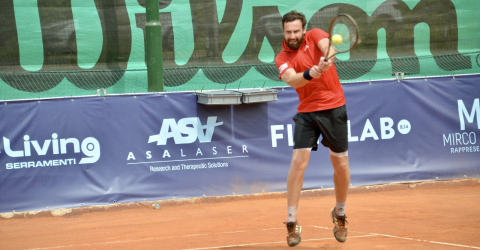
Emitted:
<point x="343" y="34"/>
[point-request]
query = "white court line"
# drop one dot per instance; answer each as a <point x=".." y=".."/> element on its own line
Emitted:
<point x="130" y="241"/>
<point x="271" y="243"/>
<point x="92" y="244"/>
<point x="254" y="244"/>
<point x="406" y="238"/>
<point x="278" y="228"/>
<point x="427" y="241"/>
<point x="193" y="235"/>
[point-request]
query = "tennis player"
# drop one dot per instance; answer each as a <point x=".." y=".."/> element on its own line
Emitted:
<point x="321" y="111"/>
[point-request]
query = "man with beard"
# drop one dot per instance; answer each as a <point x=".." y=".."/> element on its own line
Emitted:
<point x="301" y="64"/>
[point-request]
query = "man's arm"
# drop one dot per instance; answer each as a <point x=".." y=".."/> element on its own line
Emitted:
<point x="298" y="80"/>
<point x="323" y="46"/>
<point x="294" y="79"/>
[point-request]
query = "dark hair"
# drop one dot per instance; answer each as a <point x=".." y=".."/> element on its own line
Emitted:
<point x="292" y="16"/>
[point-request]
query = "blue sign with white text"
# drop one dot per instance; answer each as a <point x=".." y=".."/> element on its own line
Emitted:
<point x="94" y="151"/>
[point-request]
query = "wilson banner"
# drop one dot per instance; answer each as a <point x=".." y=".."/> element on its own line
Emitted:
<point x="56" y="48"/>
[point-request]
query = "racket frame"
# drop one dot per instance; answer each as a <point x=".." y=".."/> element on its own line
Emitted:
<point x="330" y="34"/>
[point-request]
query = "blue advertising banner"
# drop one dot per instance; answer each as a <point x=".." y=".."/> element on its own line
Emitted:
<point x="102" y="150"/>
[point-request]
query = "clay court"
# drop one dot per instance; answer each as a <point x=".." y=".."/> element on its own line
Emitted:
<point x="428" y="215"/>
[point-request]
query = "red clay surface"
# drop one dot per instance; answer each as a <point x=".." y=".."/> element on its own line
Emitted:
<point x="434" y="215"/>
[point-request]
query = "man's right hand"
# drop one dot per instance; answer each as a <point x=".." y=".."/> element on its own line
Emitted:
<point x="324" y="66"/>
<point x="315" y="71"/>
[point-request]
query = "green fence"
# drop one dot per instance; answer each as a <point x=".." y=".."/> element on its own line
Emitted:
<point x="56" y="48"/>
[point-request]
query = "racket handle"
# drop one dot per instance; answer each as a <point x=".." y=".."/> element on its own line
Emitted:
<point x="328" y="50"/>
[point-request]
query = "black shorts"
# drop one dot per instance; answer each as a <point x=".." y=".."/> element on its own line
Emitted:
<point x="331" y="124"/>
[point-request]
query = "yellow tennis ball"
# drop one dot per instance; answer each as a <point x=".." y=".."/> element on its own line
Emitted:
<point x="337" y="39"/>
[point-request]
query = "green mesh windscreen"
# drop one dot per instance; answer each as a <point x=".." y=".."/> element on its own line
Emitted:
<point x="55" y="48"/>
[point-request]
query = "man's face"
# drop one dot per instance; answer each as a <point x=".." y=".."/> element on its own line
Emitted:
<point x="293" y="33"/>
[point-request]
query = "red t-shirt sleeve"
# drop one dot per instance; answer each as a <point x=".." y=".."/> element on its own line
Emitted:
<point x="282" y="63"/>
<point x="318" y="34"/>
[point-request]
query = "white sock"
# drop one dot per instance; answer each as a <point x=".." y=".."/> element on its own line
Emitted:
<point x="292" y="214"/>
<point x="340" y="208"/>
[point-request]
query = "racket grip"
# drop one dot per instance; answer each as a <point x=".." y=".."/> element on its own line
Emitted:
<point x="326" y="55"/>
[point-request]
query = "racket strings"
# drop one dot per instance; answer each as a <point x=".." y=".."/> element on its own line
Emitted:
<point x="347" y="29"/>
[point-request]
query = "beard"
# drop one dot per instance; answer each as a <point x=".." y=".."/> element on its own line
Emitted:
<point x="294" y="43"/>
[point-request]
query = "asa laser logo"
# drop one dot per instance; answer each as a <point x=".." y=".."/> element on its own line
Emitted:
<point x="464" y="141"/>
<point x="90" y="147"/>
<point x="191" y="127"/>
<point x="187" y="131"/>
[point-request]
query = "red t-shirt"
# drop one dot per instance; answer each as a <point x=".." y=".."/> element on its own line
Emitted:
<point x="321" y="93"/>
